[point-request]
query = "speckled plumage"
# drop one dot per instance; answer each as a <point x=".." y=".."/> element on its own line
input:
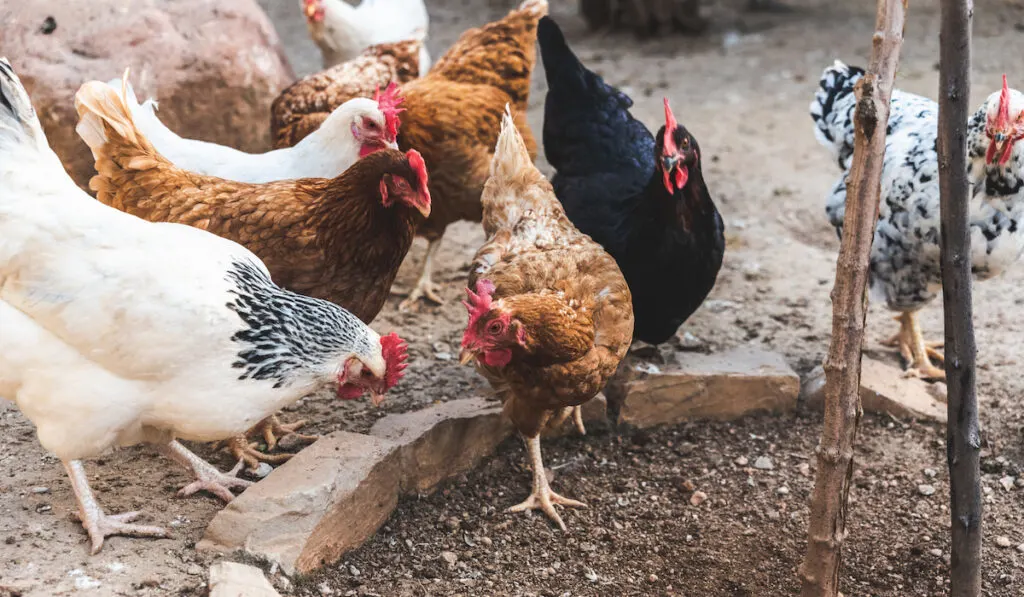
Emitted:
<point x="904" y="265"/>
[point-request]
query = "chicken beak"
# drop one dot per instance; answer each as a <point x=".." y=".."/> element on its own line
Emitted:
<point x="377" y="398"/>
<point x="466" y="356"/>
<point x="310" y="10"/>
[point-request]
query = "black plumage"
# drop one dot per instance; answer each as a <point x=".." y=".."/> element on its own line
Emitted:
<point x="611" y="179"/>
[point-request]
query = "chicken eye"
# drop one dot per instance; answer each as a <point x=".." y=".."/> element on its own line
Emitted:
<point x="686" y="143"/>
<point x="402" y="184"/>
<point x="494" y="327"/>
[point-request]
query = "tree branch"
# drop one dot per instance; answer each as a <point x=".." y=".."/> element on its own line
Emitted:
<point x="827" y="529"/>
<point x="963" y="437"/>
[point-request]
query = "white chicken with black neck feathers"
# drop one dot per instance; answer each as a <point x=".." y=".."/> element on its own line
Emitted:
<point x="904" y="264"/>
<point x="118" y="331"/>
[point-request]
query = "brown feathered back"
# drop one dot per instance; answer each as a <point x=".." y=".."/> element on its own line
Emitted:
<point x="305" y="104"/>
<point x="566" y="291"/>
<point x="327" y="238"/>
<point x="453" y="113"/>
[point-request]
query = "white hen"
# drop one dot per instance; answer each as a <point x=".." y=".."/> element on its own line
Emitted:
<point x="354" y="129"/>
<point x="118" y="331"/>
<point x="343" y="31"/>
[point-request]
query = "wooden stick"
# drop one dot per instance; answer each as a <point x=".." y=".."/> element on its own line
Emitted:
<point x="827" y="529"/>
<point x="963" y="437"/>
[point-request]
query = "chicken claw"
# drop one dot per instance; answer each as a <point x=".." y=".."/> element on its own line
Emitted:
<point x="425" y="287"/>
<point x="248" y="452"/>
<point x="274" y="430"/>
<point x="207" y="476"/>
<point x="915" y="351"/>
<point x="97" y="523"/>
<point x="542" y="497"/>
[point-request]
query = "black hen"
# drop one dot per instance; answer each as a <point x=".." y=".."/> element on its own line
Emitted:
<point x="642" y="198"/>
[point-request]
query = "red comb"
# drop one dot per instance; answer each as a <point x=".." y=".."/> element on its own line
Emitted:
<point x="670" y="128"/>
<point x="388" y="103"/>
<point x="396" y="353"/>
<point x="1003" y="118"/>
<point x="479" y="303"/>
<point x="420" y="168"/>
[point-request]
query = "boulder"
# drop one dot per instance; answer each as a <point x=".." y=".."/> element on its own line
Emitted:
<point x="884" y="389"/>
<point x="688" y="386"/>
<point x="214" y="65"/>
<point x="334" y="495"/>
<point x="229" y="579"/>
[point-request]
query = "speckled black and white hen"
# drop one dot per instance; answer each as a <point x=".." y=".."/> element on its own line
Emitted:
<point x="115" y="331"/>
<point x="904" y="266"/>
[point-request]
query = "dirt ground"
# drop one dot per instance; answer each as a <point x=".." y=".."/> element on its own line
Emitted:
<point x="742" y="90"/>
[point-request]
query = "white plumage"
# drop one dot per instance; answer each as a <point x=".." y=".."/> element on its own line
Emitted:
<point x="325" y="153"/>
<point x="118" y="331"/>
<point x="904" y="265"/>
<point x="343" y="31"/>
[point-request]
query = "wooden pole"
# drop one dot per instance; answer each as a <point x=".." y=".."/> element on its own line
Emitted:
<point x="827" y="529"/>
<point x="963" y="436"/>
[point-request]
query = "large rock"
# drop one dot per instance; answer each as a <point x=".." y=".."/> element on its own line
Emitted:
<point x="724" y="385"/>
<point x="884" y="389"/>
<point x="214" y="65"/>
<point x="335" y="494"/>
<point x="229" y="579"/>
<point x="444" y="440"/>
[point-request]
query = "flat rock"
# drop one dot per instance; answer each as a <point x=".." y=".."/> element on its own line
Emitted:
<point x="444" y="440"/>
<point x="334" y="495"/>
<point x="883" y="389"/>
<point x="725" y="385"/>
<point x="214" y="65"/>
<point x="230" y="579"/>
<point x="325" y="501"/>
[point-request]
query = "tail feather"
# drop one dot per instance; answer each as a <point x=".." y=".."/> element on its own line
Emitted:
<point x="833" y="104"/>
<point x="559" y="59"/>
<point x="511" y="157"/>
<point x="103" y="112"/>
<point x="19" y="124"/>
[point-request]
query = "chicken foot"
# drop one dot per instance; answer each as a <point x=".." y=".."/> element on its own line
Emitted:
<point x="272" y="431"/>
<point x="97" y="523"/>
<point x="207" y="476"/>
<point x="425" y="287"/>
<point x="542" y="498"/>
<point x="915" y="350"/>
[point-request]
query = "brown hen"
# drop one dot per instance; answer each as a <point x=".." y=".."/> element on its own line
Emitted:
<point x="305" y="104"/>
<point x="550" y="316"/>
<point x="339" y="239"/>
<point x="453" y="116"/>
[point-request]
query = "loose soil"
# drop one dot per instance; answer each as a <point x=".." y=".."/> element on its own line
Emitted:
<point x="743" y="90"/>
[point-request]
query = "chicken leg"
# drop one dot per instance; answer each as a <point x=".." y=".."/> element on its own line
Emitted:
<point x="425" y="287"/>
<point x="915" y="350"/>
<point x="207" y="476"/>
<point x="542" y="497"/>
<point x="272" y="431"/>
<point x="577" y="418"/>
<point x="98" y="523"/>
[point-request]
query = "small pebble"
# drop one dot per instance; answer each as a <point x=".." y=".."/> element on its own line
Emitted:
<point x="325" y="589"/>
<point x="764" y="463"/>
<point x="805" y="469"/>
<point x="1007" y="483"/>
<point x="930" y="473"/>
<point x="926" y="490"/>
<point x="39" y="490"/>
<point x="263" y="470"/>
<point x="741" y="461"/>
<point x="353" y="570"/>
<point x="698" y="498"/>
<point x="652" y="578"/>
<point x="449" y="557"/>
<point x="936" y="552"/>
<point x="443" y="356"/>
<point x="1003" y="541"/>
<point x="782" y="490"/>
